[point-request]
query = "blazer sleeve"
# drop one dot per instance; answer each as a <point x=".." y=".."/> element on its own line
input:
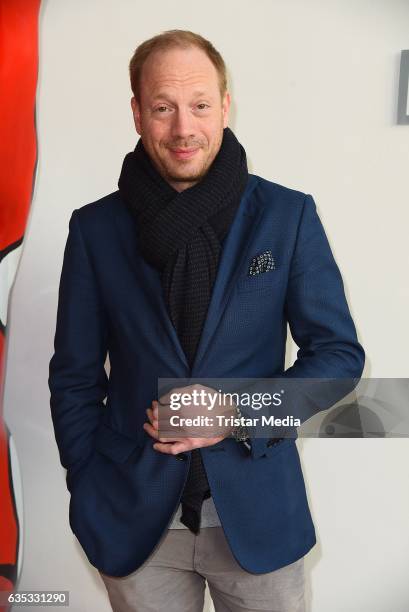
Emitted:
<point x="316" y="307"/>
<point x="77" y="379"/>
<point x="321" y="325"/>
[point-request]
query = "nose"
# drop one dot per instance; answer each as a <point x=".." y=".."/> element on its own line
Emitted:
<point x="183" y="124"/>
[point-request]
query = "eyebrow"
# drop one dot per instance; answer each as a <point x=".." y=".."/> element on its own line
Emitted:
<point x="196" y="94"/>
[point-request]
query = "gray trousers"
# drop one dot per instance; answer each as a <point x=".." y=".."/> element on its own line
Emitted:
<point x="174" y="577"/>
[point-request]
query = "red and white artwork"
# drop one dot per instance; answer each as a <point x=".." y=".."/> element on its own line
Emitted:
<point x="18" y="156"/>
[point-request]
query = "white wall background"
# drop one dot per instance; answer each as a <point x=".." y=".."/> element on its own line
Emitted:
<point x="314" y="88"/>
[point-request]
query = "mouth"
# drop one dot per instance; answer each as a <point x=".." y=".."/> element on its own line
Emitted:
<point x="183" y="153"/>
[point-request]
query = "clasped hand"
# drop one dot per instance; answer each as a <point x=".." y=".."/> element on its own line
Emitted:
<point x="185" y="437"/>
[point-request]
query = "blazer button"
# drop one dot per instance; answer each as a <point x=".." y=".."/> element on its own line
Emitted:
<point x="181" y="457"/>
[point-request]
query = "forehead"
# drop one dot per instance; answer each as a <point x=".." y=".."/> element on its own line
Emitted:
<point x="175" y="68"/>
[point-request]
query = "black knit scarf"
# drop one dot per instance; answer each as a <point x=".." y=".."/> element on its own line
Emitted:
<point x="180" y="234"/>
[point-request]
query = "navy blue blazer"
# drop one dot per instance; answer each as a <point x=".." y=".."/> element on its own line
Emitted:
<point x="124" y="493"/>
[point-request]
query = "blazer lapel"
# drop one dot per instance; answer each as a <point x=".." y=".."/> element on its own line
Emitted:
<point x="232" y="258"/>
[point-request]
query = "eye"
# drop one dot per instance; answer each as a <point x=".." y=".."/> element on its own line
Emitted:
<point x="202" y="104"/>
<point x="159" y="109"/>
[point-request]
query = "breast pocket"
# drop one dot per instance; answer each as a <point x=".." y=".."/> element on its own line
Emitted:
<point x="265" y="282"/>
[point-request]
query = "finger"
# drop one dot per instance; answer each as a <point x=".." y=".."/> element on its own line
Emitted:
<point x="170" y="436"/>
<point x="155" y="408"/>
<point x="151" y="418"/>
<point x="165" y="399"/>
<point x="151" y="430"/>
<point x="171" y="449"/>
<point x="150" y="415"/>
<point x="211" y="441"/>
<point x="155" y="422"/>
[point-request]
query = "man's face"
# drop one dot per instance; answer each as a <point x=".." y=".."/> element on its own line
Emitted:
<point x="181" y="116"/>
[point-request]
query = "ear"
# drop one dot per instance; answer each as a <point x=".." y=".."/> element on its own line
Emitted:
<point x="136" y="111"/>
<point x="225" y="108"/>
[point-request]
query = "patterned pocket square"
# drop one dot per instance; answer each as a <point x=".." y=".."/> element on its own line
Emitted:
<point x="261" y="263"/>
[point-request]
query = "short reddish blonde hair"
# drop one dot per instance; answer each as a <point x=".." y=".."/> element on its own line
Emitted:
<point x="171" y="39"/>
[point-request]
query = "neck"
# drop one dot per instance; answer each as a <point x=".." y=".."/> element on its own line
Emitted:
<point x="181" y="186"/>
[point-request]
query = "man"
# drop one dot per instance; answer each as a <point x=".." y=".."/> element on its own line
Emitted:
<point x="191" y="269"/>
